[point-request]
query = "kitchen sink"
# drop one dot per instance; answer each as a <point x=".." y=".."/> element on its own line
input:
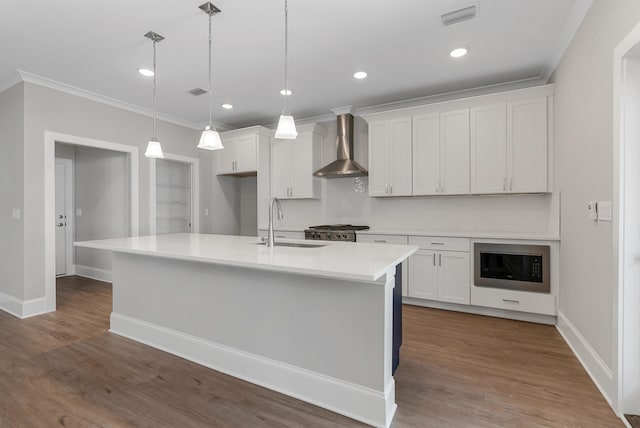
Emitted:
<point x="294" y="244"/>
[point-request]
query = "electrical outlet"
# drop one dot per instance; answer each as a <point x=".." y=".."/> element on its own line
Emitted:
<point x="15" y="214"/>
<point x="592" y="207"/>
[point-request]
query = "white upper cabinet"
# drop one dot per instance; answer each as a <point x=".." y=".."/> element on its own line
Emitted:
<point x="527" y="146"/>
<point x="390" y="153"/>
<point x="489" y="149"/>
<point x="293" y="163"/>
<point x="240" y="153"/>
<point x="496" y="143"/>
<point x="509" y="147"/>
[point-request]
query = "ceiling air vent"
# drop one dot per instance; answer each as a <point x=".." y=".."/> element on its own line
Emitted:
<point x="197" y="92"/>
<point x="459" y="15"/>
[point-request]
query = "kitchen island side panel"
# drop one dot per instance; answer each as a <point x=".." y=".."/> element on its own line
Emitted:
<point x="340" y="329"/>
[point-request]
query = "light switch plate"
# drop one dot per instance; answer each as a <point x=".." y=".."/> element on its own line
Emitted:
<point x="78" y="212"/>
<point x="604" y="211"/>
<point x="15" y="214"/>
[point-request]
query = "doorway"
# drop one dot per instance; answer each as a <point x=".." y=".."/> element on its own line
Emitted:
<point x="133" y="218"/>
<point x="174" y="194"/>
<point x="627" y="222"/>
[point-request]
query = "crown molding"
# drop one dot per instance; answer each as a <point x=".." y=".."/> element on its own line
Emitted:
<point x="25" y="76"/>
<point x="10" y="81"/>
<point x="451" y="96"/>
<point x="569" y="30"/>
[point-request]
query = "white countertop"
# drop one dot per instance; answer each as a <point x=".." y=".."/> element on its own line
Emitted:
<point x="471" y="235"/>
<point x="341" y="260"/>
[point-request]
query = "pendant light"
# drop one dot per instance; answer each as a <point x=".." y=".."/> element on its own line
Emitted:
<point x="286" y="126"/>
<point x="210" y="138"/>
<point x="154" y="150"/>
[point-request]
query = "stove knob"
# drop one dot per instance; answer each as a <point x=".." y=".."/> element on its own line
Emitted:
<point x="328" y="236"/>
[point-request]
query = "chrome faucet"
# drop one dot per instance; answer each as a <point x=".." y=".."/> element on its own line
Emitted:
<point x="270" y="237"/>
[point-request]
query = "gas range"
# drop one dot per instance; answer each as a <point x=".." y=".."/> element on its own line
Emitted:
<point x="333" y="232"/>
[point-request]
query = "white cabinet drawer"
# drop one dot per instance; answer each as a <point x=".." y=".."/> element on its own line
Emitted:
<point x="537" y="303"/>
<point x="283" y="234"/>
<point x="382" y="239"/>
<point x="440" y="243"/>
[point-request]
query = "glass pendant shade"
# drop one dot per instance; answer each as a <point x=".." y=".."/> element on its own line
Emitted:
<point x="286" y="128"/>
<point x="210" y="140"/>
<point x="153" y="149"/>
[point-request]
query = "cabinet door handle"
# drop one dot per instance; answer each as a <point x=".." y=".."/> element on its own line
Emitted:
<point x="439" y="259"/>
<point x="442" y="186"/>
<point x="437" y="243"/>
<point x="511" y="184"/>
<point x="504" y="184"/>
<point x="510" y="301"/>
<point x="386" y="189"/>
<point x="391" y="189"/>
<point x="434" y="259"/>
<point x="437" y="187"/>
<point x="381" y="241"/>
<point x="291" y="192"/>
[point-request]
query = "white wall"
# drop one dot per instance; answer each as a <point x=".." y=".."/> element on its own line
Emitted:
<point x="340" y="202"/>
<point x="102" y="192"/>
<point x="248" y="206"/>
<point x="11" y="195"/>
<point x="584" y="172"/>
<point x="51" y="110"/>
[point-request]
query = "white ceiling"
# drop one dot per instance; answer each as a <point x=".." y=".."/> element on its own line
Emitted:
<point x="98" y="47"/>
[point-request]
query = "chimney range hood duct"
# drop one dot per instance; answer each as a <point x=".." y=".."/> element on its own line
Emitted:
<point x="344" y="166"/>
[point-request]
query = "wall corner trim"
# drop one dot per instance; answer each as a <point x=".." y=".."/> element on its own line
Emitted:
<point x="23" y="308"/>
<point x="595" y="367"/>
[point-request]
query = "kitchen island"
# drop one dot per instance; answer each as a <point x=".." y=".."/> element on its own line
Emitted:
<point x="313" y="320"/>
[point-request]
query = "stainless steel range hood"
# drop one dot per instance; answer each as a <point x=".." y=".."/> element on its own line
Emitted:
<point x="344" y="166"/>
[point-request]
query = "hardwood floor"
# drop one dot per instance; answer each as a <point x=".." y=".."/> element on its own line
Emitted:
<point x="457" y="370"/>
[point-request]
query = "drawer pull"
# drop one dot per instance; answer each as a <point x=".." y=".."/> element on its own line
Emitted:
<point x="437" y="243"/>
<point x="280" y="236"/>
<point x="510" y="301"/>
<point x="381" y="241"/>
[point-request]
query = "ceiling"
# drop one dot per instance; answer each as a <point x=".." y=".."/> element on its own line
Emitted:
<point x="402" y="45"/>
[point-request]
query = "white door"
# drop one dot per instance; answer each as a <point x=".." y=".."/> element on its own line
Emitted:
<point x="423" y="275"/>
<point x="527" y="145"/>
<point x="281" y="164"/>
<point x="173" y="196"/>
<point x="489" y="149"/>
<point x="61" y="218"/>
<point x="454" y="283"/>
<point x="379" y="150"/>
<point x="426" y="154"/>
<point x="401" y="177"/>
<point x="454" y="152"/>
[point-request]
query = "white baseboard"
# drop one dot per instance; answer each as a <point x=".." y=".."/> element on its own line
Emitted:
<point x="599" y="372"/>
<point x="481" y="310"/>
<point x="93" y="273"/>
<point x="364" y="404"/>
<point x="22" y="308"/>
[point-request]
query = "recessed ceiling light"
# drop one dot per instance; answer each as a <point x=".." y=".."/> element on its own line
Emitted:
<point x="457" y="53"/>
<point x="227" y="106"/>
<point x="145" y="72"/>
<point x="360" y="75"/>
<point x="286" y="92"/>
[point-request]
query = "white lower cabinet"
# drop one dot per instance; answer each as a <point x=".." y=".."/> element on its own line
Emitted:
<point x="282" y="234"/>
<point x="435" y="273"/>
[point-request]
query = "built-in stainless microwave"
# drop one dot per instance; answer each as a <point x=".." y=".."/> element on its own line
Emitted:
<point x="514" y="267"/>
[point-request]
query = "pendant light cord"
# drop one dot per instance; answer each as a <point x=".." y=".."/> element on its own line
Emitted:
<point x="210" y="98"/>
<point x="286" y="54"/>
<point x="154" y="89"/>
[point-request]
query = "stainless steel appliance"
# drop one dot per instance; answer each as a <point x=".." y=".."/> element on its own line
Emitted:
<point x="513" y="267"/>
<point x="344" y="165"/>
<point x="333" y="232"/>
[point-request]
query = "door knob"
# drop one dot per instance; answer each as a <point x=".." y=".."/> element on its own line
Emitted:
<point x="60" y="224"/>
<point x="60" y="216"/>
